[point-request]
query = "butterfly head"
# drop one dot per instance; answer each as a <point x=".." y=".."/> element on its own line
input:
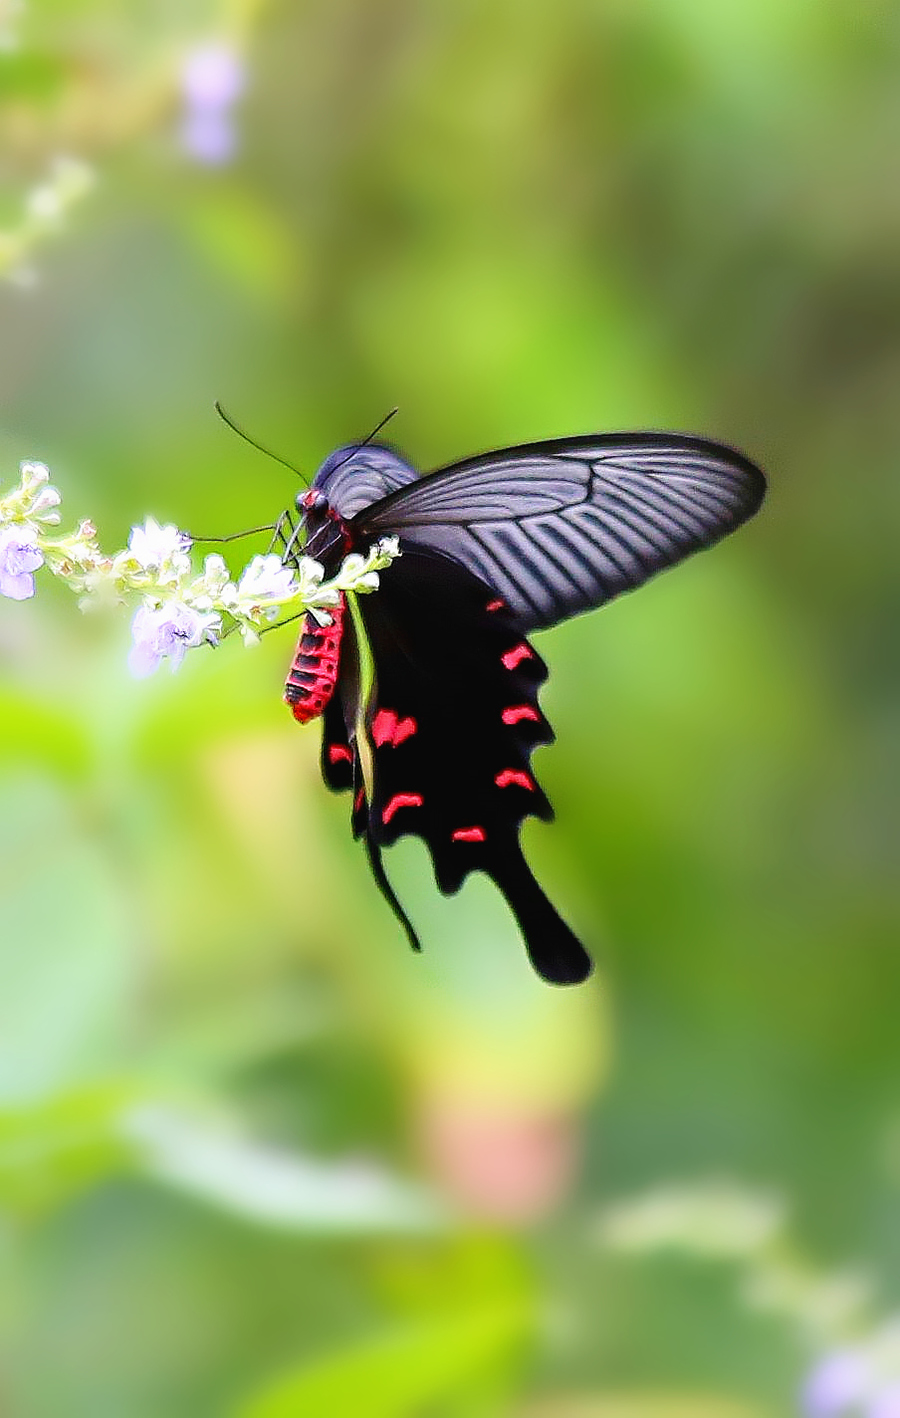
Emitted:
<point x="327" y="538"/>
<point x="311" y="502"/>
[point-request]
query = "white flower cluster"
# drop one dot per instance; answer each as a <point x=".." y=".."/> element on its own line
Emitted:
<point x="178" y="608"/>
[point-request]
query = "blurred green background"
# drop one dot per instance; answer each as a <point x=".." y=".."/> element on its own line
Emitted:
<point x="255" y="1158"/>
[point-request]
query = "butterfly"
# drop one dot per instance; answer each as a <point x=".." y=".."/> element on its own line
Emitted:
<point x="492" y="549"/>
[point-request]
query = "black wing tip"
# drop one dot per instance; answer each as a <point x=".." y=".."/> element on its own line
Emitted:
<point x="554" y="950"/>
<point x="755" y="482"/>
<point x="758" y="485"/>
<point x="561" y="963"/>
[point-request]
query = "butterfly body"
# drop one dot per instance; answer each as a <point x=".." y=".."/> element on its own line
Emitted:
<point x="492" y="549"/>
<point x="312" y="678"/>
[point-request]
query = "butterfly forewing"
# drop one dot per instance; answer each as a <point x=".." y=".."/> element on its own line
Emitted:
<point x="564" y="526"/>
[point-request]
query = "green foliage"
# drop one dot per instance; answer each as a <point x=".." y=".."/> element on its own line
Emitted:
<point x="60" y="1147"/>
<point x="459" y="1359"/>
<point x="395" y="1376"/>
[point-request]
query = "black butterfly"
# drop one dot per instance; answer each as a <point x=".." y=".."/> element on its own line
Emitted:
<point x="492" y="548"/>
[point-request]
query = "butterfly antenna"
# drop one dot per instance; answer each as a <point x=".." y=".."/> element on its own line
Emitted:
<point x="260" y="447"/>
<point x="367" y="440"/>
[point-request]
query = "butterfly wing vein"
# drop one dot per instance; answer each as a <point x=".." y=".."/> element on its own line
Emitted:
<point x="564" y="527"/>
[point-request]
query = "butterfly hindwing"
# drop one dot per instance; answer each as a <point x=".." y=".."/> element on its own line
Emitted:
<point x="452" y="722"/>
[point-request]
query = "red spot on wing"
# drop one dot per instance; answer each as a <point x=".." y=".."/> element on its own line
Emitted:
<point x="359" y="799"/>
<point x="469" y="834"/>
<point x="383" y="726"/>
<point x="398" y="801"/>
<point x="387" y="728"/>
<point x="516" y="655"/>
<point x="514" y="776"/>
<point x="339" y="753"/>
<point x="495" y="605"/>
<point x="519" y="711"/>
<point x="404" y="730"/>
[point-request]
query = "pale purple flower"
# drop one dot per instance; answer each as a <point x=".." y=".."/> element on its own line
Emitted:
<point x="212" y="80"/>
<point x="19" y="558"/>
<point x="266" y="576"/>
<point x="166" y="633"/>
<point x="152" y="545"/>
<point x="838" y="1383"/>
<point x="209" y="137"/>
<point x="886" y="1404"/>
<point x="212" y="77"/>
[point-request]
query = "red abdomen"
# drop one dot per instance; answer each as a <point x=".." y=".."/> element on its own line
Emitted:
<point x="314" y="669"/>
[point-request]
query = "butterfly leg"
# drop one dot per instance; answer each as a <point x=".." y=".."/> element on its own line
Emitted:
<point x="281" y="541"/>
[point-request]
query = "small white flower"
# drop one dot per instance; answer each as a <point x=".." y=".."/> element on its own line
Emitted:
<point x="213" y="588"/>
<point x="310" y="574"/>
<point x="352" y="567"/>
<point x="152" y="545"/>
<point x="215" y="573"/>
<point x="167" y="632"/>
<point x="265" y="578"/>
<point x="329" y="596"/>
<point x="386" y="551"/>
<point x="19" y="558"/>
<point x="33" y="475"/>
<point x="42" y="508"/>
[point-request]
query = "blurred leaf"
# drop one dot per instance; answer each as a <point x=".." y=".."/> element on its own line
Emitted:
<point x="38" y="731"/>
<point x="64" y="973"/>
<point x="276" y="1187"/>
<point x="51" y="1151"/>
<point x="641" y="1405"/>
<point x="397" y="1375"/>
<point x="245" y="239"/>
<point x="27" y="74"/>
